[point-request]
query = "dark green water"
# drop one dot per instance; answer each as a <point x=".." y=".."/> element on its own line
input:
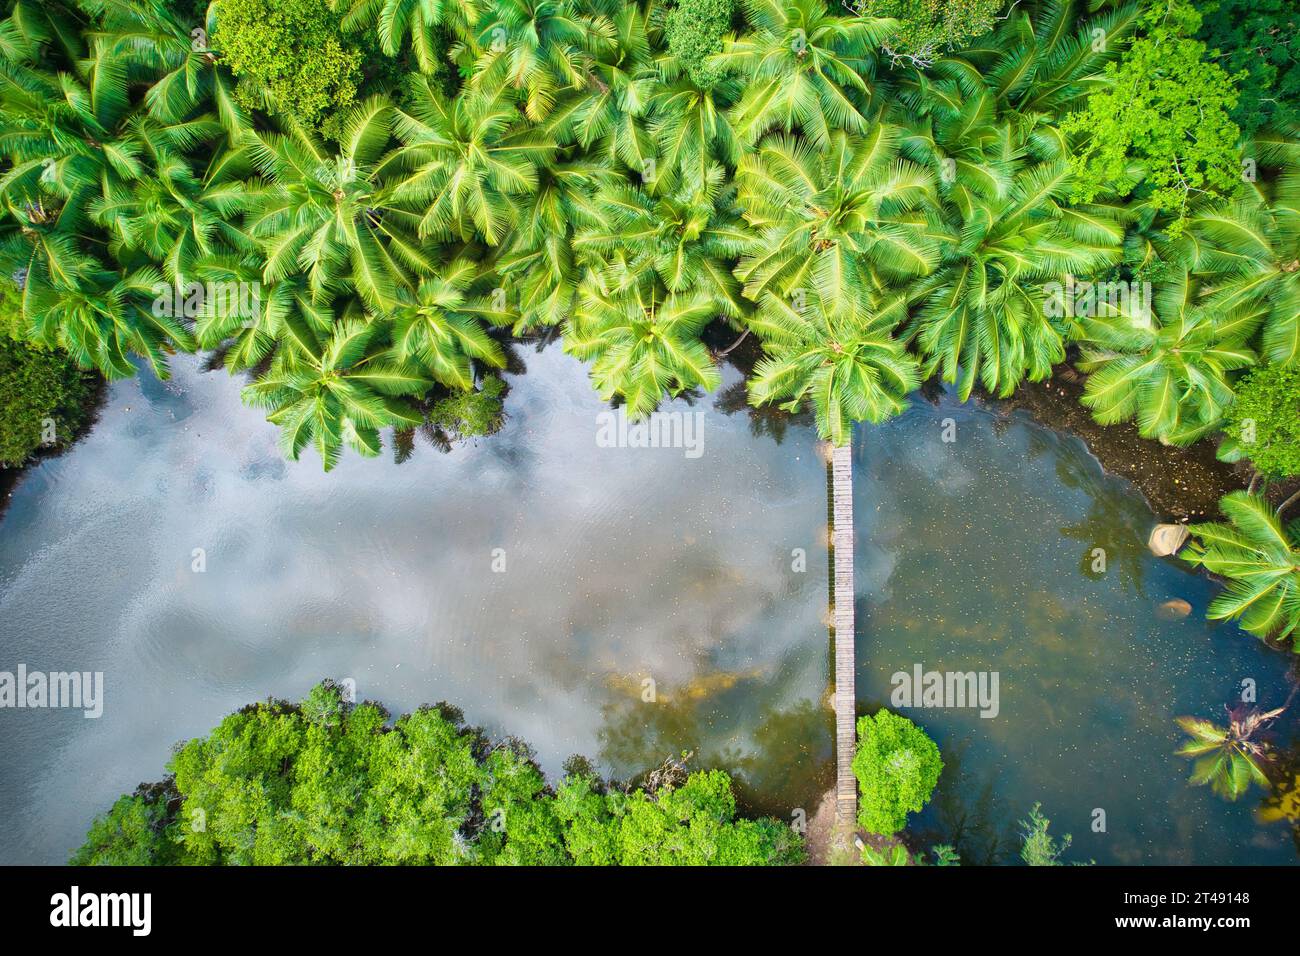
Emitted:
<point x="622" y="565"/>
<point x="977" y="555"/>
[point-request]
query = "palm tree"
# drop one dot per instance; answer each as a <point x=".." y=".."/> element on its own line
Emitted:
<point x="534" y="48"/>
<point x="689" y="241"/>
<point x="835" y="217"/>
<point x="808" y="69"/>
<point x="464" y="164"/>
<point x="1227" y="758"/>
<point x="439" y="328"/>
<point x="833" y="355"/>
<point x="395" y="20"/>
<point x="691" y="127"/>
<point x="538" y="269"/>
<point x="1168" y="369"/>
<point x="1254" y="258"/>
<point x="1260" y="558"/>
<point x="185" y="69"/>
<point x="100" y="317"/>
<point x="331" y="218"/>
<point x="335" y="386"/>
<point x="642" y="340"/>
<point x="607" y="116"/>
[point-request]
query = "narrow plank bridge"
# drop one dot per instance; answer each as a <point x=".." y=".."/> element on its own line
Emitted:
<point x="846" y="786"/>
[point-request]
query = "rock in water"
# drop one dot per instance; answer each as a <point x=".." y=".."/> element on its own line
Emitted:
<point x="1173" y="610"/>
<point x="1167" y="538"/>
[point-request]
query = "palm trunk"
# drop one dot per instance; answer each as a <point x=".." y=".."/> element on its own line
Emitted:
<point x="1288" y="503"/>
<point x="846" y="786"/>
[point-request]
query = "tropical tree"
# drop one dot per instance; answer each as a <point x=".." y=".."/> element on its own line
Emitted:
<point x="689" y="241"/>
<point x="396" y="20"/>
<point x="1259" y="557"/>
<point x="1254" y="258"/>
<point x="534" y="49"/>
<point x="330" y="217"/>
<point x="1169" y="366"/>
<point x="440" y="328"/>
<point x="463" y="164"/>
<point x="335" y="383"/>
<point x="538" y="269"/>
<point x="834" y="356"/>
<point x="691" y="128"/>
<point x="807" y="69"/>
<point x="642" y="340"/>
<point x="834" y="218"/>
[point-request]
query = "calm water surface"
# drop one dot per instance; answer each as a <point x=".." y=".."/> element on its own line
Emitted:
<point x="622" y="566"/>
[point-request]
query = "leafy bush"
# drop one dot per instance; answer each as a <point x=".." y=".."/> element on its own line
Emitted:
<point x="1260" y="38"/>
<point x="470" y="414"/>
<point x="694" y="30"/>
<point x="1264" y="423"/>
<point x="930" y="27"/>
<point x="291" y="51"/>
<point x="897" y="767"/>
<point x="1163" y="121"/>
<point x="329" y="782"/>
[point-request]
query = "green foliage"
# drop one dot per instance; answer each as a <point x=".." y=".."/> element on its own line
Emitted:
<point x="1260" y="558"/>
<point x="132" y="833"/>
<point x="1040" y="848"/>
<point x="470" y="414"/>
<point x="288" y="54"/>
<point x="40" y="390"/>
<point x="897" y="767"/>
<point x="329" y="782"/>
<point x="631" y="174"/>
<point x="1168" y="367"/>
<point x="1264" y="423"/>
<point x="693" y="30"/>
<point x="1162" y="121"/>
<point x="1260" y="39"/>
<point x="931" y="27"/>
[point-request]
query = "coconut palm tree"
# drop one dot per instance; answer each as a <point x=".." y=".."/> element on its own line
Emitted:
<point x="534" y="49"/>
<point x="834" y="355"/>
<point x="335" y="386"/>
<point x="463" y="165"/>
<point x="1254" y="258"/>
<point x="1260" y="558"/>
<point x="538" y="270"/>
<point x="420" y="20"/>
<point x="439" y="328"/>
<point x="839" y="218"/>
<point x="607" y="116"/>
<point x="330" y="217"/>
<point x="642" y="340"/>
<point x="807" y="69"/>
<point x="184" y="67"/>
<point x="1168" y="368"/>
<point x="689" y="241"/>
<point x="691" y="128"/>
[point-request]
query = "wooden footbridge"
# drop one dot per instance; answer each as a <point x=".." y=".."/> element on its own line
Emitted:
<point x="846" y="786"/>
